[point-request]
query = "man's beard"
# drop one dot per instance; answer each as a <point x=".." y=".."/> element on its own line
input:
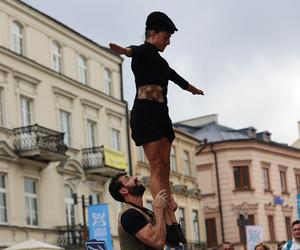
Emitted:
<point x="137" y="190"/>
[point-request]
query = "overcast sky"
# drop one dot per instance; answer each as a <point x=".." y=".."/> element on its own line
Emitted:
<point x="245" y="55"/>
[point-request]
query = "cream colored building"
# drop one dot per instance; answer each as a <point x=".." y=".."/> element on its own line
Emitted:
<point x="183" y="183"/>
<point x="57" y="88"/>
<point x="245" y="178"/>
<point x="296" y="144"/>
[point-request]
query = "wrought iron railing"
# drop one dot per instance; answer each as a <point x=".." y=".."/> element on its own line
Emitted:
<point x="70" y="237"/>
<point x="93" y="157"/>
<point x="36" y="137"/>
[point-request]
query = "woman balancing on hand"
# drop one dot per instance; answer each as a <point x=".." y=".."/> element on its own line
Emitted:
<point x="150" y="123"/>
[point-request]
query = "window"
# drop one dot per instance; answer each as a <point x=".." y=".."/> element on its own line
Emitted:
<point x="69" y="205"/>
<point x="271" y="227"/>
<point x="95" y="198"/>
<point x="267" y="184"/>
<point x="173" y="159"/>
<point x="186" y="163"/>
<point x="115" y="139"/>
<point x="195" y="221"/>
<point x="283" y="181"/>
<point x="241" y="177"/>
<point x="149" y="205"/>
<point x="181" y="218"/>
<point x="92" y="133"/>
<point x="288" y="227"/>
<point x="3" y="206"/>
<point x="31" y="202"/>
<point x="243" y="221"/>
<point x="56" y="57"/>
<point x="1" y="107"/>
<point x="107" y="82"/>
<point x="26" y="111"/>
<point x="141" y="154"/>
<point x="17" y="38"/>
<point x="211" y="232"/>
<point x="65" y="126"/>
<point x="82" y="70"/>
<point x="297" y="175"/>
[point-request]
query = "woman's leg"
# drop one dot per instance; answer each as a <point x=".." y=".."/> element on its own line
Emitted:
<point x="158" y="155"/>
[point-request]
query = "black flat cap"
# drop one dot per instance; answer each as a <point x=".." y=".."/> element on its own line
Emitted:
<point x="160" y="21"/>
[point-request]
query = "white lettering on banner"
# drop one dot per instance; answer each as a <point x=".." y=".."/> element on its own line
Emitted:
<point x="100" y="232"/>
<point x="99" y="219"/>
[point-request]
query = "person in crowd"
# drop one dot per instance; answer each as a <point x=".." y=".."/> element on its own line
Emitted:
<point x="295" y="243"/>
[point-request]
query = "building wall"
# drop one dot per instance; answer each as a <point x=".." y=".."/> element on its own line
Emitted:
<point x="255" y="200"/>
<point x="31" y="75"/>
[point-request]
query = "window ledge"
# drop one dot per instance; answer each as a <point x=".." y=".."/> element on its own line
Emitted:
<point x="285" y="193"/>
<point x="268" y="191"/>
<point x="243" y="190"/>
<point x="208" y="195"/>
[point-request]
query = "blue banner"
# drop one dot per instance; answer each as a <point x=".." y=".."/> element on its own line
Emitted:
<point x="99" y="227"/>
<point x="298" y="205"/>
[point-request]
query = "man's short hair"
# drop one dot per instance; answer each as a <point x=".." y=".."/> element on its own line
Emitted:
<point x="114" y="187"/>
<point x="295" y="222"/>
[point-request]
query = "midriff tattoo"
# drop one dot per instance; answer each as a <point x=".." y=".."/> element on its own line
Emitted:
<point x="151" y="92"/>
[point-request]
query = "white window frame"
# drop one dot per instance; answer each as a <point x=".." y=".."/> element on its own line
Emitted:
<point x="92" y="134"/>
<point x="196" y="228"/>
<point x="107" y="82"/>
<point x="69" y="206"/>
<point x="82" y="67"/>
<point x="31" y="197"/>
<point x="2" y="116"/>
<point x="66" y="127"/>
<point x="186" y="163"/>
<point x="181" y="216"/>
<point x="116" y="139"/>
<point x="26" y="106"/>
<point x="96" y="199"/>
<point x="56" y="56"/>
<point x="3" y="207"/>
<point x="173" y="161"/>
<point x="17" y="38"/>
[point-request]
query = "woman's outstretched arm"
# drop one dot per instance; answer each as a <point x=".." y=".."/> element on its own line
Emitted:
<point x="120" y="50"/>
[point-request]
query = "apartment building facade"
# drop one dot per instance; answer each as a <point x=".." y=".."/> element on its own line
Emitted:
<point x="183" y="185"/>
<point x="63" y="127"/>
<point x="245" y="179"/>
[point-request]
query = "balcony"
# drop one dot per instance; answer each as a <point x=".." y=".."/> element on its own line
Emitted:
<point x="70" y="237"/>
<point x="40" y="143"/>
<point x="103" y="161"/>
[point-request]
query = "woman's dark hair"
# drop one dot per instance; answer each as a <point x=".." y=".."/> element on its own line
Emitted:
<point x="147" y="33"/>
<point x="114" y="187"/>
<point x="262" y="245"/>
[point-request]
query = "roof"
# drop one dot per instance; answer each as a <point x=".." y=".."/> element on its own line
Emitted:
<point x="213" y="132"/>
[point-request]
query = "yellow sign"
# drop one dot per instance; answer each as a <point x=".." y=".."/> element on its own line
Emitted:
<point x="115" y="159"/>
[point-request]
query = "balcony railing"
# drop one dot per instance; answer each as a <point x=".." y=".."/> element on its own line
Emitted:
<point x="95" y="162"/>
<point x="70" y="237"/>
<point x="40" y="143"/>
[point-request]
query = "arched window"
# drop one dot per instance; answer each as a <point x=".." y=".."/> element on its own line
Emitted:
<point x="82" y="69"/>
<point x="56" y="57"/>
<point x="107" y="82"/>
<point x="17" y="38"/>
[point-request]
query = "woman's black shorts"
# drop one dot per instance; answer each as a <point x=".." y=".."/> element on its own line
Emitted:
<point x="150" y="121"/>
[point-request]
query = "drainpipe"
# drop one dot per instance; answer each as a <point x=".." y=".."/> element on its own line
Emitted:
<point x="127" y="122"/>
<point x="219" y="189"/>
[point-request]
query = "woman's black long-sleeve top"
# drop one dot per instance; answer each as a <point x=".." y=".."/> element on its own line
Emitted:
<point x="150" y="68"/>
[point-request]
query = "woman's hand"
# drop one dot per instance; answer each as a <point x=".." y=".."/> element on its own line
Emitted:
<point x="119" y="49"/>
<point x="194" y="90"/>
<point x="160" y="200"/>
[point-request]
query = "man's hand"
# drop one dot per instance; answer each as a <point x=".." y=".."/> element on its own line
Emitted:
<point x="172" y="205"/>
<point x="161" y="199"/>
<point x="197" y="92"/>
